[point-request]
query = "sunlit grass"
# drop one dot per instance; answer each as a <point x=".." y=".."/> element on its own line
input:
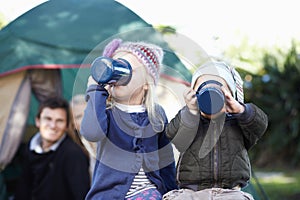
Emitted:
<point x="280" y="185"/>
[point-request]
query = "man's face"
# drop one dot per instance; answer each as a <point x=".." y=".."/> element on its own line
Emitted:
<point x="52" y="124"/>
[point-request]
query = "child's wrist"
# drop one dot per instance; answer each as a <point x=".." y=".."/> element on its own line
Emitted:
<point x="242" y="108"/>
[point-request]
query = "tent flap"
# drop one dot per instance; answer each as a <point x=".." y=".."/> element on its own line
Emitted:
<point x="17" y="118"/>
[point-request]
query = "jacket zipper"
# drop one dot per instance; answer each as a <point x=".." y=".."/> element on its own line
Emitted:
<point x="215" y="157"/>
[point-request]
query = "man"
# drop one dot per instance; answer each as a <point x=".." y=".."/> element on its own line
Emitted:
<point x="55" y="167"/>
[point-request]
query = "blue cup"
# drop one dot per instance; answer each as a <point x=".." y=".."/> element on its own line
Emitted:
<point x="211" y="100"/>
<point x="105" y="70"/>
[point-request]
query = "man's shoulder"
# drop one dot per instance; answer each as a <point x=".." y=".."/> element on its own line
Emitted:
<point x="69" y="146"/>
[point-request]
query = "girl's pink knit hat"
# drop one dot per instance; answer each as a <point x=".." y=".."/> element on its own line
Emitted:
<point x="149" y="55"/>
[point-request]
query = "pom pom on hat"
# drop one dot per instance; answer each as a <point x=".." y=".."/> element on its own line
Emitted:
<point x="229" y="74"/>
<point x="149" y="55"/>
<point x="111" y="47"/>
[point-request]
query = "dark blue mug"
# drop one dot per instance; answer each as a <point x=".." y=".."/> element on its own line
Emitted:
<point x="105" y="70"/>
<point x="211" y="100"/>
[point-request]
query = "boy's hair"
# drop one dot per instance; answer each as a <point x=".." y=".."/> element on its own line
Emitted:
<point x="53" y="103"/>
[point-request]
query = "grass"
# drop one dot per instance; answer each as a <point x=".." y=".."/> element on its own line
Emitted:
<point x="283" y="185"/>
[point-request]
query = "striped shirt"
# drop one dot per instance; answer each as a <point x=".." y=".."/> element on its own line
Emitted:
<point x="139" y="184"/>
<point x="140" y="181"/>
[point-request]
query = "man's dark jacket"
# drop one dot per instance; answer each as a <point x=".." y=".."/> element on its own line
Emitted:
<point x="61" y="175"/>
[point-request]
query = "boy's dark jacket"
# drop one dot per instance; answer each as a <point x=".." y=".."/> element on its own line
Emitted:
<point x="214" y="153"/>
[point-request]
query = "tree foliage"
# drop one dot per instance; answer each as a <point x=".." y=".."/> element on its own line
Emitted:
<point x="276" y="89"/>
<point x="3" y="21"/>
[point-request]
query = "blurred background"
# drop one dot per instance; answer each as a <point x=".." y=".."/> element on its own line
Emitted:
<point x="260" y="38"/>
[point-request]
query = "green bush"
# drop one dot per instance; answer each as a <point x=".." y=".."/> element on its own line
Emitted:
<point x="276" y="89"/>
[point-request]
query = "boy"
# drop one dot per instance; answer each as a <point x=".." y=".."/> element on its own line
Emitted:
<point x="213" y="143"/>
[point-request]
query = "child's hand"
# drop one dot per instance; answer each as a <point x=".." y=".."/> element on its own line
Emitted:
<point x="232" y="105"/>
<point x="191" y="101"/>
<point x="91" y="81"/>
<point x="108" y="88"/>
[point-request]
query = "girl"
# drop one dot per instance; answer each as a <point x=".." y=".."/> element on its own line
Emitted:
<point x="134" y="157"/>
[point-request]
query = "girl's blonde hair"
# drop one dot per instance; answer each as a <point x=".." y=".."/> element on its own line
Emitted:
<point x="155" y="113"/>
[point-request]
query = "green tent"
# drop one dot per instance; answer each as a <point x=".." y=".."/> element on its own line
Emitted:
<point x="48" y="50"/>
